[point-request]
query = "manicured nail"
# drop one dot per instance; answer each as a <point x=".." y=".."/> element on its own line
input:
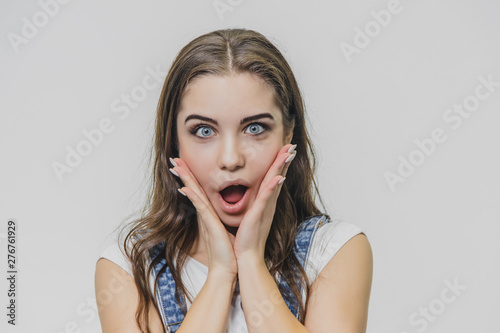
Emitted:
<point x="291" y="157"/>
<point x="292" y="148"/>
<point x="282" y="180"/>
<point x="173" y="171"/>
<point x="172" y="161"/>
<point x="184" y="194"/>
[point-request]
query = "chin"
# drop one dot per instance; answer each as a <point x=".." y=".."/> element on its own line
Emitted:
<point x="231" y="221"/>
<point x="231" y="227"/>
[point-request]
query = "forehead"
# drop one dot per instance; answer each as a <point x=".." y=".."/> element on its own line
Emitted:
<point x="229" y="97"/>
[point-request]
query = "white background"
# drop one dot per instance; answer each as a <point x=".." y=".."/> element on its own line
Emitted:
<point x="440" y="224"/>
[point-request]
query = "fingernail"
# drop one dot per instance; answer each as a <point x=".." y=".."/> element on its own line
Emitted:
<point x="292" y="148"/>
<point x="184" y="194"/>
<point x="172" y="161"/>
<point x="173" y="171"/>
<point x="282" y="180"/>
<point x="291" y="157"/>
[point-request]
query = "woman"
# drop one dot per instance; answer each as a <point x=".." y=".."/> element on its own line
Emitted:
<point x="231" y="231"/>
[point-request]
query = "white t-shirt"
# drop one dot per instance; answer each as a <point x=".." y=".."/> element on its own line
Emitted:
<point x="328" y="240"/>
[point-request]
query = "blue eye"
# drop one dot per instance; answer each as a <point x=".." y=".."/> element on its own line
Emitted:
<point x="255" y="125"/>
<point x="205" y="130"/>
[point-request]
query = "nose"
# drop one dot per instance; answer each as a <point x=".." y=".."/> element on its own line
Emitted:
<point x="231" y="156"/>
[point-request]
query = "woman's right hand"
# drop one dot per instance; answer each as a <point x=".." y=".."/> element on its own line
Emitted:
<point x="218" y="241"/>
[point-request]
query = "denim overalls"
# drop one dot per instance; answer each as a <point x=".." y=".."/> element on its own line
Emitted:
<point x="171" y="312"/>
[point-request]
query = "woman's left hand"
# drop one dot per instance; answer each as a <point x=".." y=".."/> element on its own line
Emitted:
<point x="254" y="228"/>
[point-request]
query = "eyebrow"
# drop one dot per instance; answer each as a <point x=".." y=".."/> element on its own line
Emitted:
<point x="243" y="121"/>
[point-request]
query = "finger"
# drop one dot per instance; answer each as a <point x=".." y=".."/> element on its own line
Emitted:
<point x="288" y="162"/>
<point x="189" y="180"/>
<point x="269" y="199"/>
<point x="179" y="162"/>
<point x="266" y="200"/>
<point x="203" y="210"/>
<point x="269" y="189"/>
<point x="278" y="164"/>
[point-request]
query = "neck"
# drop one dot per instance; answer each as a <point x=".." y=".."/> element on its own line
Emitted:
<point x="231" y="230"/>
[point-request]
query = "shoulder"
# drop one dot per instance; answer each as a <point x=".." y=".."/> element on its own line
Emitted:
<point x="332" y="235"/>
<point x="355" y="252"/>
<point x="116" y="254"/>
<point x="324" y="237"/>
<point x="340" y="294"/>
<point x="117" y="295"/>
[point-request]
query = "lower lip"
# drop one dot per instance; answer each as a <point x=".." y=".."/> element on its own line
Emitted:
<point x="236" y="207"/>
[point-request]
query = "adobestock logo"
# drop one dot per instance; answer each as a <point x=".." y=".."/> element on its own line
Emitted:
<point x="454" y="117"/>
<point x="121" y="107"/>
<point x="381" y="19"/>
<point x="87" y="311"/>
<point x="265" y="309"/>
<point x="222" y="7"/>
<point x="30" y="28"/>
<point x="432" y="311"/>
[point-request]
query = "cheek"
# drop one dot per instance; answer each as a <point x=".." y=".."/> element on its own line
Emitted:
<point x="193" y="155"/>
<point x="202" y="168"/>
<point x="262" y="164"/>
<point x="200" y="162"/>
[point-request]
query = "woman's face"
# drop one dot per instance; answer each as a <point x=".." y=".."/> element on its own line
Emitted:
<point x="219" y="143"/>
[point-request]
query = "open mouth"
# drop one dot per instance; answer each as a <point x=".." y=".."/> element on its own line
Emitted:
<point x="233" y="194"/>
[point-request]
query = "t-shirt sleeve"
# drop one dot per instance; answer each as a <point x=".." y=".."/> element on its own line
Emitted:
<point x="114" y="253"/>
<point x="328" y="240"/>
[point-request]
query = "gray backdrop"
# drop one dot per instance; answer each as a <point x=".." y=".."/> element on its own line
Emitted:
<point x="403" y="101"/>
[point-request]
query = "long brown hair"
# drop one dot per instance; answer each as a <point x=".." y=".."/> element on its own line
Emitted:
<point x="171" y="218"/>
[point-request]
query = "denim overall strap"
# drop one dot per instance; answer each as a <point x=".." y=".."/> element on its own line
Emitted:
<point x="171" y="312"/>
<point x="303" y="240"/>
